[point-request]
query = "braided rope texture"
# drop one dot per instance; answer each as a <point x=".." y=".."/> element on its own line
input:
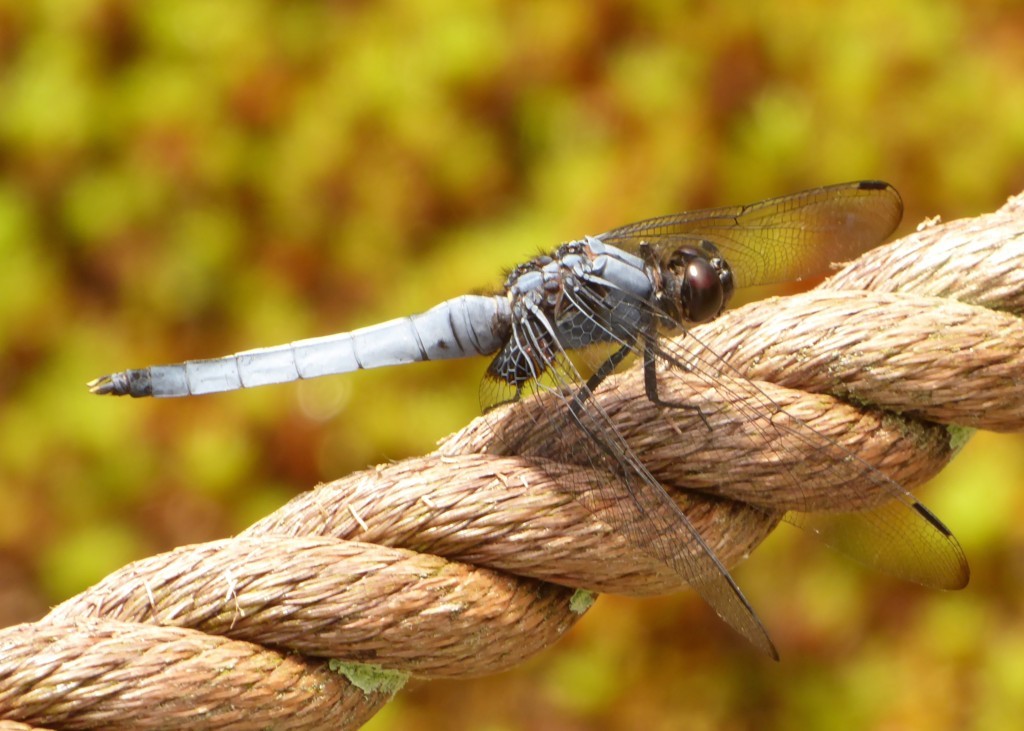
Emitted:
<point x="463" y="562"/>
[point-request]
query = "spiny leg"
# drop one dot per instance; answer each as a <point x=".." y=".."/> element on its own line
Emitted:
<point x="651" y="381"/>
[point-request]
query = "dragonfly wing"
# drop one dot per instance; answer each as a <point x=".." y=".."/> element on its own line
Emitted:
<point x="893" y="539"/>
<point x="639" y="507"/>
<point x="890" y="530"/>
<point x="779" y="239"/>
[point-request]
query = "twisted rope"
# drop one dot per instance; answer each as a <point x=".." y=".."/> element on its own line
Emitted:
<point x="461" y="562"/>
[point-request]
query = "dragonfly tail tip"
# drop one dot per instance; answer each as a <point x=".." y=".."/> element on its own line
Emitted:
<point x="101" y="386"/>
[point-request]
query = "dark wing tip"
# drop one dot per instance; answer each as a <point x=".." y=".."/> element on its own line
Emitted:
<point x="758" y="636"/>
<point x="874" y="185"/>
<point x="961" y="575"/>
<point x="881" y="185"/>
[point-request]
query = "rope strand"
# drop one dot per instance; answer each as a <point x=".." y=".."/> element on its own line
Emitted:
<point x="462" y="562"/>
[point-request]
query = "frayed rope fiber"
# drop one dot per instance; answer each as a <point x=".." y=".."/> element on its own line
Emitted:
<point x="465" y="562"/>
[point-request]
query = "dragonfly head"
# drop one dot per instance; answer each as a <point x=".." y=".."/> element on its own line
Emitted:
<point x="701" y="282"/>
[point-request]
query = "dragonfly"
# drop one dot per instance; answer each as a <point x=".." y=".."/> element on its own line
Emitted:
<point x="631" y="295"/>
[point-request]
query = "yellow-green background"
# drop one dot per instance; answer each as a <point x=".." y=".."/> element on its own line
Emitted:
<point x="185" y="178"/>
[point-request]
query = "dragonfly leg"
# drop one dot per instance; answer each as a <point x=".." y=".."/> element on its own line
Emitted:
<point x="651" y="383"/>
<point x="599" y="375"/>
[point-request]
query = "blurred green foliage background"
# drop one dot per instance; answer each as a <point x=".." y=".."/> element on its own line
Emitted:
<point x="186" y="178"/>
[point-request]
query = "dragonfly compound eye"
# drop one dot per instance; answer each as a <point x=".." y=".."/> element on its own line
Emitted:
<point x="704" y="286"/>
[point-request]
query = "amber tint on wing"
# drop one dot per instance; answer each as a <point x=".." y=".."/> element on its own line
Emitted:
<point x="780" y="239"/>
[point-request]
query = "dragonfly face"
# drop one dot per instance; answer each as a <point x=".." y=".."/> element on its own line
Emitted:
<point x="697" y="283"/>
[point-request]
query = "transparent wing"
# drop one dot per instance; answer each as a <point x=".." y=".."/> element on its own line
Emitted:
<point x="779" y="239"/>
<point x="640" y="508"/>
<point x="890" y="530"/>
<point x="804" y="469"/>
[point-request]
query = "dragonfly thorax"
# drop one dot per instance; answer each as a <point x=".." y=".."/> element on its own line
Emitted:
<point x="584" y="293"/>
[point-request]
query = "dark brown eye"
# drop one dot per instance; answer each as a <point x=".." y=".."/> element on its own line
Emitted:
<point x="701" y="297"/>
